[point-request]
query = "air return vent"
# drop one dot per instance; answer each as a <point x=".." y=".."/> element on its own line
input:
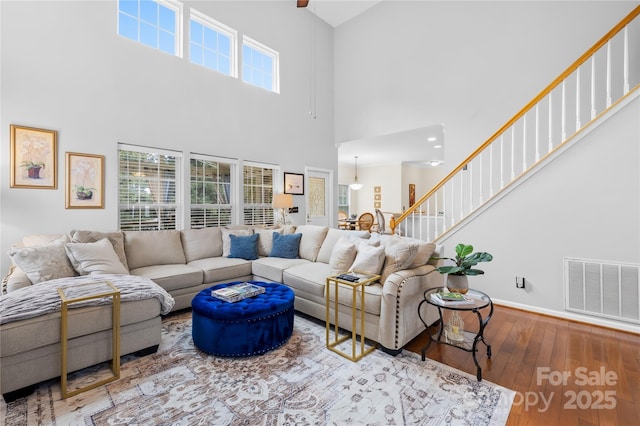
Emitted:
<point x="604" y="289"/>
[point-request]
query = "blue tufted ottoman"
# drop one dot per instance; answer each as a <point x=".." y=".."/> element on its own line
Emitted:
<point x="251" y="326"/>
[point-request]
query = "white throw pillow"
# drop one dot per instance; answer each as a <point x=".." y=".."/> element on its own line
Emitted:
<point x="45" y="262"/>
<point x="342" y="257"/>
<point x="399" y="255"/>
<point x="100" y="256"/>
<point x="265" y="240"/>
<point x="369" y="259"/>
<point x="226" y="240"/>
<point x="425" y="251"/>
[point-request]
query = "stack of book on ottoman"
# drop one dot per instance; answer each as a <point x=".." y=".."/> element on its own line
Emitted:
<point x="237" y="292"/>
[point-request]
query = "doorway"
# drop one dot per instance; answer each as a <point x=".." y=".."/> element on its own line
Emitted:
<point x="319" y="200"/>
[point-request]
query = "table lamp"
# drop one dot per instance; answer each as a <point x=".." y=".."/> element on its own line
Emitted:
<point x="283" y="202"/>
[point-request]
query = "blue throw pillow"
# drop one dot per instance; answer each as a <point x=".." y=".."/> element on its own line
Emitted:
<point x="244" y="247"/>
<point x="285" y="246"/>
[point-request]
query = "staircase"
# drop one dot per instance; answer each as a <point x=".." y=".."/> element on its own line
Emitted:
<point x="601" y="80"/>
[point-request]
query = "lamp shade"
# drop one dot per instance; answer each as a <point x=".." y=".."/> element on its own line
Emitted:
<point x="282" y="201"/>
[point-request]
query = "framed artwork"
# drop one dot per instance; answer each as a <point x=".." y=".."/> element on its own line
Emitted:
<point x="33" y="158"/>
<point x="377" y="197"/>
<point x="377" y="204"/>
<point x="377" y="189"/>
<point x="294" y="183"/>
<point x="85" y="181"/>
<point x="412" y="194"/>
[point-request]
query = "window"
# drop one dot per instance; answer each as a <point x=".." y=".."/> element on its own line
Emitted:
<point x="149" y="189"/>
<point x="212" y="44"/>
<point x="343" y="198"/>
<point x="155" y="23"/>
<point x="258" y="193"/>
<point x="260" y="65"/>
<point x="211" y="191"/>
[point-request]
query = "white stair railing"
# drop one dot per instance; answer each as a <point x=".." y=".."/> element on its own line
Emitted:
<point x="593" y="84"/>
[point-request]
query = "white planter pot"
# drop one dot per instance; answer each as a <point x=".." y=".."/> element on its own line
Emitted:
<point x="458" y="283"/>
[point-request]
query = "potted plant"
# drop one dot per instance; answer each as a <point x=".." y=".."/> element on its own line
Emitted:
<point x="83" y="193"/>
<point x="464" y="261"/>
<point x="33" y="169"/>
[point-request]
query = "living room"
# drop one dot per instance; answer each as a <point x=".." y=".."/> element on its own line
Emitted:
<point x="65" y="68"/>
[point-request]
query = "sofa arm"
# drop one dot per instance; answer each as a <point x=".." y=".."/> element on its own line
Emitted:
<point x="402" y="292"/>
<point x="15" y="279"/>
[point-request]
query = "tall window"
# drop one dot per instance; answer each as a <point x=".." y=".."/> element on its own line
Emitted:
<point x="155" y="23"/>
<point x="212" y="44"/>
<point x="343" y="198"/>
<point x="258" y="193"/>
<point x="211" y="191"/>
<point x="149" y="189"/>
<point x="260" y="65"/>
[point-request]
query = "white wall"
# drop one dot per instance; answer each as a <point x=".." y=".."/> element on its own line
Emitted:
<point x="64" y="68"/>
<point x="584" y="204"/>
<point x="468" y="65"/>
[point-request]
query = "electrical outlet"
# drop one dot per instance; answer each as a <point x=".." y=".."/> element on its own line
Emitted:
<point x="520" y="282"/>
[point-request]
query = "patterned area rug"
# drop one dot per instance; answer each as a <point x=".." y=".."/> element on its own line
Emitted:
<point x="300" y="383"/>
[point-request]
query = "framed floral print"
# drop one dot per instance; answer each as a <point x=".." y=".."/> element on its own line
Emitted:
<point x="85" y="181"/>
<point x="33" y="158"/>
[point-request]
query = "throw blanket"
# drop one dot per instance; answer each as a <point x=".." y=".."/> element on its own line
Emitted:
<point x="43" y="298"/>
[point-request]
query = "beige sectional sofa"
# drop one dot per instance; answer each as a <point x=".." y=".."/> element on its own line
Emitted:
<point x="185" y="262"/>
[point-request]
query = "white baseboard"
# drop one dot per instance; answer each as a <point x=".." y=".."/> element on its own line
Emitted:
<point x="591" y="320"/>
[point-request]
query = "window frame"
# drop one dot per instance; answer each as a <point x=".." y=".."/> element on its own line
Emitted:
<point x="232" y="201"/>
<point x="219" y="27"/>
<point x="177" y="205"/>
<point x="177" y="8"/>
<point x="275" y="177"/>
<point x="265" y="50"/>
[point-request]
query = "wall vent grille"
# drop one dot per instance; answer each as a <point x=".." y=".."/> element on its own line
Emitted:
<point x="604" y="289"/>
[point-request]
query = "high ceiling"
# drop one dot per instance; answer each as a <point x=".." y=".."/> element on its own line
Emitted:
<point x="336" y="12"/>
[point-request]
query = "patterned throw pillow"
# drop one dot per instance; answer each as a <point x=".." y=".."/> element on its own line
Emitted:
<point x="285" y="246"/>
<point x="45" y="262"/>
<point x="399" y="254"/>
<point x="244" y="247"/>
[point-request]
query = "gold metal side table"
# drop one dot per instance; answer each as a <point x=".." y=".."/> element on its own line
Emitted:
<point x="80" y="293"/>
<point x="357" y="289"/>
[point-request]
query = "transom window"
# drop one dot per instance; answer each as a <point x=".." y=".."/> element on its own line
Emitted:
<point x="212" y="44"/>
<point x="212" y="186"/>
<point x="260" y="65"/>
<point x="149" y="189"/>
<point x="258" y="182"/>
<point x="155" y="23"/>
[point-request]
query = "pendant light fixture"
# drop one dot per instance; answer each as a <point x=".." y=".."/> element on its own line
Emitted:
<point x="356" y="185"/>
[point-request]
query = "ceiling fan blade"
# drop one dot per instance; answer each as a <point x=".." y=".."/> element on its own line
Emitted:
<point x="303" y="3"/>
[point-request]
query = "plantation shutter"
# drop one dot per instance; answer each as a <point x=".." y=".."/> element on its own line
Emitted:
<point x="211" y="191"/>
<point x="148" y="192"/>
<point x="258" y="193"/>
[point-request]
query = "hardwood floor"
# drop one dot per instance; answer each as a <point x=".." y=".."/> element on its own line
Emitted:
<point x="564" y="373"/>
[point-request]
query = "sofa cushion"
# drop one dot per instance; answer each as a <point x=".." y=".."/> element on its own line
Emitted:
<point x="99" y="256"/>
<point x="244" y="247"/>
<point x="218" y="269"/>
<point x="171" y="277"/>
<point x="271" y="268"/>
<point x="308" y="278"/>
<point x="312" y="238"/>
<point x="399" y="254"/>
<point x="44" y="262"/>
<point x="332" y="237"/>
<point x="286" y="246"/>
<point x="149" y="248"/>
<point x="372" y="297"/>
<point x="369" y="259"/>
<point x="116" y="238"/>
<point x="265" y="240"/>
<point x="343" y="255"/>
<point x="201" y="243"/>
<point x="226" y="241"/>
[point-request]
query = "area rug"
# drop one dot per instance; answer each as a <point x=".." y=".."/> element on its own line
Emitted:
<point x="300" y="383"/>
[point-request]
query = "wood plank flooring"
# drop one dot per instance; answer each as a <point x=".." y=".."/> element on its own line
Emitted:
<point x="564" y="373"/>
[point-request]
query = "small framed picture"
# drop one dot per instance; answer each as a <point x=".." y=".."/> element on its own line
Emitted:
<point x="377" y="189"/>
<point x="294" y="183"/>
<point x="33" y="158"/>
<point x="377" y="204"/>
<point x="377" y="197"/>
<point x="85" y="181"/>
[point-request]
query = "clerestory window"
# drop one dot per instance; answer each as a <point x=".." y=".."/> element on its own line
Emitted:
<point x="154" y="23"/>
